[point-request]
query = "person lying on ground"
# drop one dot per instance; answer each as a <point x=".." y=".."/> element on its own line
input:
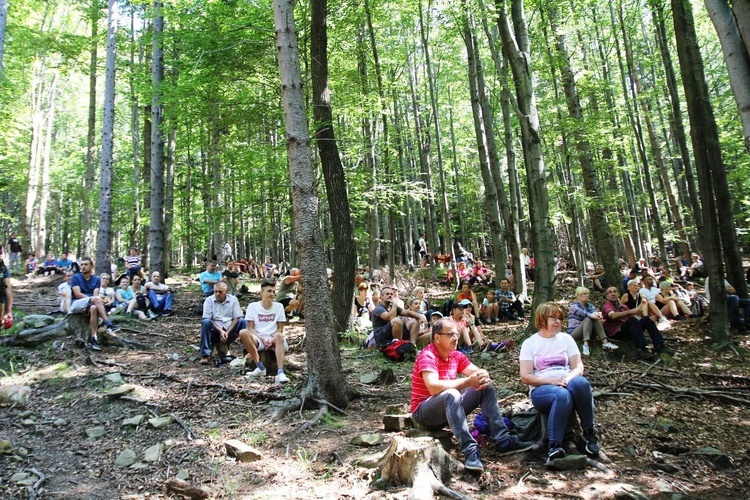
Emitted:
<point x="86" y="300"/>
<point x="583" y="318"/>
<point x="672" y="306"/>
<point x="221" y="323"/>
<point x="388" y="323"/>
<point x="159" y="295"/>
<point x="439" y="397"/>
<point x="550" y="364"/>
<point x="622" y="323"/>
<point x="264" y="330"/>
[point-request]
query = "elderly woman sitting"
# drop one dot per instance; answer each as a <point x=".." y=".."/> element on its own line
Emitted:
<point x="583" y="318"/>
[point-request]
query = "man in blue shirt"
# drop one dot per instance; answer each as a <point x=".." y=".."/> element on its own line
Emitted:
<point x="209" y="278"/>
<point x="64" y="263"/>
<point x="85" y="288"/>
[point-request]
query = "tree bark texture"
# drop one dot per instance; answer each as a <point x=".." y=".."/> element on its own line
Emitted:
<point x="156" y="219"/>
<point x="324" y="361"/>
<point x="517" y="50"/>
<point x="344" y="256"/>
<point x="104" y="233"/>
<point x="703" y="132"/>
<point x="736" y="57"/>
<point x="87" y="226"/>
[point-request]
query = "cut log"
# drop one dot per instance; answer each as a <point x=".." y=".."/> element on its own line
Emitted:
<point x="421" y="463"/>
<point x="73" y="324"/>
<point x="185" y="489"/>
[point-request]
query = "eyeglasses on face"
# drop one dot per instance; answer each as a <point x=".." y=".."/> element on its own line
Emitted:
<point x="454" y="335"/>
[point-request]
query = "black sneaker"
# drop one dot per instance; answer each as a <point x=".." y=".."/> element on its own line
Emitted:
<point x="473" y="463"/>
<point x="94" y="344"/>
<point x="512" y="445"/>
<point x="592" y="445"/>
<point x="167" y="312"/>
<point x="112" y="328"/>
<point x="662" y="349"/>
<point x="645" y="355"/>
<point x="555" y="452"/>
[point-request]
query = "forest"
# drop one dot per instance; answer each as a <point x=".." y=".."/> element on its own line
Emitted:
<point x="330" y="134"/>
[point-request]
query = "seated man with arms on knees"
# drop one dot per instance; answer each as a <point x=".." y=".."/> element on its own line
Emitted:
<point x="222" y="322"/>
<point x="210" y="277"/>
<point x="31" y="264"/>
<point x="439" y="397"/>
<point x="49" y="266"/>
<point x="265" y="331"/>
<point x="86" y="300"/>
<point x="623" y="323"/>
<point x="509" y="306"/>
<point x="289" y="293"/>
<point x="159" y="295"/>
<point x="387" y="324"/>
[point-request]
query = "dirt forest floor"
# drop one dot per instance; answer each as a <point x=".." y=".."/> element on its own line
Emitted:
<point x="652" y="419"/>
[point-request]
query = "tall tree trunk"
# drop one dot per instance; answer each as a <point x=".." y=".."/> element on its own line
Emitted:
<point x="324" y="362"/>
<point x="676" y="122"/>
<point x="87" y="227"/>
<point x="706" y="150"/>
<point x="345" y="256"/>
<point x="44" y="192"/>
<point x="104" y="233"/>
<point x="736" y="57"/>
<point x="604" y="242"/>
<point x="156" y="219"/>
<point x="518" y="51"/>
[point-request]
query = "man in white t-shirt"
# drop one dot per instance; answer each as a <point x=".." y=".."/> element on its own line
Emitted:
<point x="265" y="331"/>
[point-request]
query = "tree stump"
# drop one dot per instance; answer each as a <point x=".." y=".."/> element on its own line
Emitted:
<point x="421" y="463"/>
<point x="76" y="325"/>
<point x="268" y="358"/>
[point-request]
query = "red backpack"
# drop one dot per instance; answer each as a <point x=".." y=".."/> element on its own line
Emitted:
<point x="399" y="350"/>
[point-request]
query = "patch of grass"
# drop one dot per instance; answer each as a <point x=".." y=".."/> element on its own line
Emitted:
<point x="330" y="421"/>
<point x="255" y="437"/>
<point x="305" y="458"/>
<point x="214" y="433"/>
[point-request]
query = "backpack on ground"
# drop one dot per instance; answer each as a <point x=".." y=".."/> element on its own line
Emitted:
<point x="399" y="350"/>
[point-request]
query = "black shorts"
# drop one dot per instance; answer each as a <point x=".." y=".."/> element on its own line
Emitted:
<point x="285" y="302"/>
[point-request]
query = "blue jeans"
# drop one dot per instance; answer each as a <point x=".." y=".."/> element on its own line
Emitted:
<point x="160" y="302"/>
<point x="734" y="304"/>
<point x="558" y="402"/>
<point x="210" y="335"/>
<point x="451" y="406"/>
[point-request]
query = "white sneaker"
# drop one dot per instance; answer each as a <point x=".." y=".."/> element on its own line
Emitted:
<point x="256" y="373"/>
<point x="281" y="378"/>
<point x="663" y="319"/>
<point x="609" y="346"/>
<point x="586" y="350"/>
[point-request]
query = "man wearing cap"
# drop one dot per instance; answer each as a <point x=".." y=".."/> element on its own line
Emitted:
<point x="387" y="324"/>
<point x="464" y="322"/>
<point x="439" y="397"/>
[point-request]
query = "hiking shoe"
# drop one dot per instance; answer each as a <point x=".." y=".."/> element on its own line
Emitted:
<point x="662" y="349"/>
<point x="256" y="373"/>
<point x="586" y="350"/>
<point x="513" y="445"/>
<point x="466" y="349"/>
<point x="555" y="452"/>
<point x="167" y="312"/>
<point x="150" y="314"/>
<point x="473" y="463"/>
<point x="112" y="328"/>
<point x="645" y="355"/>
<point x="488" y="347"/>
<point x="94" y="344"/>
<point x="663" y="319"/>
<point x="609" y="346"/>
<point x="592" y="445"/>
<point x="281" y="378"/>
<point x="204" y="360"/>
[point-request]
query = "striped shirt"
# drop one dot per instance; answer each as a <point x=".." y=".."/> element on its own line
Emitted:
<point x="429" y="360"/>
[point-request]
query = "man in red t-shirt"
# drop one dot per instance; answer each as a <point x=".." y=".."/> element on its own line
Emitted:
<point x="438" y="397"/>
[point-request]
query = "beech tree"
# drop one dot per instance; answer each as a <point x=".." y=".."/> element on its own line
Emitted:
<point x="325" y="377"/>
